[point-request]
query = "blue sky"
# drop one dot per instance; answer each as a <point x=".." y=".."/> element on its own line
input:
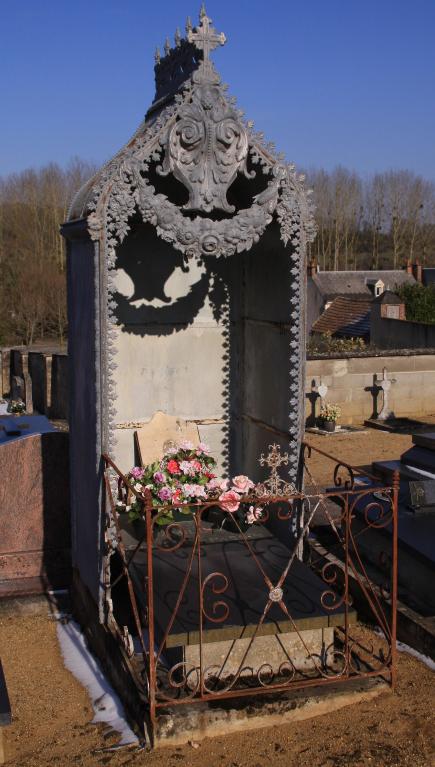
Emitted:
<point x="348" y="82"/>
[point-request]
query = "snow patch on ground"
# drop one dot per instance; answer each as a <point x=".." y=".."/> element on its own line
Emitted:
<point x="78" y="659"/>
<point x="422" y="658"/>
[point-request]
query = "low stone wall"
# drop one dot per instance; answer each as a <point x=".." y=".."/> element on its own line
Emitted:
<point x="350" y="382"/>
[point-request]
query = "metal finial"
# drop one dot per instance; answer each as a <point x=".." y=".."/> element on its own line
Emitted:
<point x="177" y="37"/>
<point x="167" y="47"/>
<point x="202" y="12"/>
<point x="188" y="25"/>
<point x="157" y="55"/>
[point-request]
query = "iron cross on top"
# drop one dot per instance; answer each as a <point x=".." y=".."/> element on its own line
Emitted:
<point x="205" y="37"/>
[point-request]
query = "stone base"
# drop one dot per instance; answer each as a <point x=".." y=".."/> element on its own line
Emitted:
<point x="267" y="652"/>
<point x="198" y="721"/>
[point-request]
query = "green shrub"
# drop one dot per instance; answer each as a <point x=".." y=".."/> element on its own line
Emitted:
<point x="325" y="343"/>
<point x="419" y="302"/>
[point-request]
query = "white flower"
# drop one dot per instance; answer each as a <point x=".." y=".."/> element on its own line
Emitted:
<point x="127" y="508"/>
<point x="138" y="487"/>
<point x="185" y="444"/>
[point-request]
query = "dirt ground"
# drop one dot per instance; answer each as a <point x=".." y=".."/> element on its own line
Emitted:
<point x="52" y="715"/>
<point x="357" y="448"/>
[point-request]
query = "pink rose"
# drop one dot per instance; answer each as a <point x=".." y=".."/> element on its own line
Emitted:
<point x="159" y="476"/>
<point x="202" y="448"/>
<point x="230" y="501"/>
<point x="242" y="484"/>
<point x="217" y="484"/>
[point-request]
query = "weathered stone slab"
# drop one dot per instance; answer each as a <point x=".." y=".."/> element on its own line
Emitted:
<point x="34" y="512"/>
<point x="244" y="595"/>
<point x="38" y="374"/>
<point x="5" y="375"/>
<point x="267" y="652"/>
<point x="59" y="387"/>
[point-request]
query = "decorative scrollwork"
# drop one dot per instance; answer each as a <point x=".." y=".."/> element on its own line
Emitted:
<point x="377" y="514"/>
<point x="205" y="149"/>
<point x="219" y="604"/>
<point x="349" y="482"/>
<point x="181" y="679"/>
<point x="329" y="599"/>
<point x="172" y="537"/>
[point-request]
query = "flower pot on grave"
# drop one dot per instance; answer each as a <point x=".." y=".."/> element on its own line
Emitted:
<point x="329" y="425"/>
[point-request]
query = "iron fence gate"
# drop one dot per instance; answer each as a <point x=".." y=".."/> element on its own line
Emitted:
<point x="233" y="610"/>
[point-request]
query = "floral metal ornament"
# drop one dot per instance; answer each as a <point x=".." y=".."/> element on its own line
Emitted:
<point x="274" y="485"/>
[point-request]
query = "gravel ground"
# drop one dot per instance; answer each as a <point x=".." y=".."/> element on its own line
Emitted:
<point x="53" y="715"/>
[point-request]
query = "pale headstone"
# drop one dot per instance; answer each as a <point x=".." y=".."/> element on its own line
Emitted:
<point x="18" y="388"/>
<point x="385" y="385"/>
<point x="161" y="432"/>
<point x="28" y="393"/>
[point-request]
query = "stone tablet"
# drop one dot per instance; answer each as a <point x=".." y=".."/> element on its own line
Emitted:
<point x="162" y="432"/>
<point x="422" y="495"/>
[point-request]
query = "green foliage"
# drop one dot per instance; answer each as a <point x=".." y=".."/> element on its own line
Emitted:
<point x="325" y="343"/>
<point x="419" y="302"/>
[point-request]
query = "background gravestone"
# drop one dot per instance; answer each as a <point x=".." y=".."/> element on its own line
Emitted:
<point x="34" y="507"/>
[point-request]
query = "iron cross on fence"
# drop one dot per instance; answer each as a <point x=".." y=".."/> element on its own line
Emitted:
<point x="275" y="485"/>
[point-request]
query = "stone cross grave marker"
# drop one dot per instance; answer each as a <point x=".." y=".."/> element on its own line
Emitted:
<point x="385" y="385"/>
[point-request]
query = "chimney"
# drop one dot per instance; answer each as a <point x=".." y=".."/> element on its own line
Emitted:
<point x="408" y="266"/>
<point x="417" y="271"/>
<point x="312" y="267"/>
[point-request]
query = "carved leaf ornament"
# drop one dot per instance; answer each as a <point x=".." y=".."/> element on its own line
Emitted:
<point x="203" y="142"/>
<point x="205" y="149"/>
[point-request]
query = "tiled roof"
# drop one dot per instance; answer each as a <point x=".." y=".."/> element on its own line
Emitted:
<point x="332" y="284"/>
<point x="345" y="316"/>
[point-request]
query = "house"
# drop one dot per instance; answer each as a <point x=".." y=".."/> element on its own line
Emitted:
<point x="358" y="288"/>
<point x="345" y="317"/>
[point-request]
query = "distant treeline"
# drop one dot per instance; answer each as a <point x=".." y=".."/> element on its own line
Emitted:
<point x="33" y="205"/>
<point x="375" y="223"/>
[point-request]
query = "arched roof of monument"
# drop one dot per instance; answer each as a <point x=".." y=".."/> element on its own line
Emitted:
<point x="195" y="135"/>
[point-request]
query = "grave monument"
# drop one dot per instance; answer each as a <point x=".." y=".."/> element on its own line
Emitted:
<point x="186" y="289"/>
<point x="186" y="301"/>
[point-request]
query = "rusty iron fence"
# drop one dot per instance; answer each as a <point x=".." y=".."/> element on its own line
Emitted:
<point x="230" y="610"/>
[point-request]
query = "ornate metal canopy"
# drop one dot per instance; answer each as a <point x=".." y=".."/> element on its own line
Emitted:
<point x="194" y="132"/>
